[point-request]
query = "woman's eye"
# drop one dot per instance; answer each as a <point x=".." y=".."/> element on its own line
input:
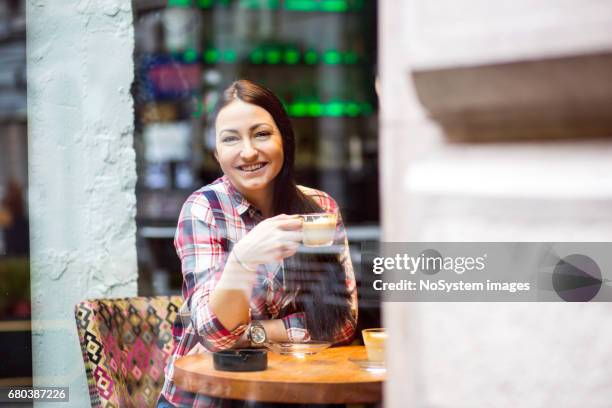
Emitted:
<point x="262" y="135"/>
<point x="229" y="139"/>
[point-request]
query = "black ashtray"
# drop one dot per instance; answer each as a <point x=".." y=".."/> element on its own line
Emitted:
<point x="241" y="360"/>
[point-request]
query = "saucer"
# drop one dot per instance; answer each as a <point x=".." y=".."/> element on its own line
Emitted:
<point x="375" y="367"/>
<point x="308" y="348"/>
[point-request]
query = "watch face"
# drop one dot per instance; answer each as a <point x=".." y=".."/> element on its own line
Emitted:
<point x="258" y="334"/>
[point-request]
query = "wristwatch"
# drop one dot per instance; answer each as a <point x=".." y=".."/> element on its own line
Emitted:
<point x="257" y="334"/>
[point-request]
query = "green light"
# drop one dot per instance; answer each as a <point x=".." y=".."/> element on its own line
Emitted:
<point x="350" y="58"/>
<point x="190" y="55"/>
<point x="179" y="3"/>
<point x="334" y="108"/>
<point x="284" y="103"/>
<point x="259" y="4"/>
<point x="332" y="57"/>
<point x="298" y="109"/>
<point x="257" y="56"/>
<point x="314" y="109"/>
<point x="292" y="56"/>
<point x="273" y="56"/>
<point x="352" y="109"/>
<point x="334" y="5"/>
<point x="301" y="5"/>
<point x="249" y="4"/>
<point x="205" y="3"/>
<point x="311" y="57"/>
<point x="230" y="56"/>
<point x="211" y="56"/>
<point x="366" y="108"/>
<point x="224" y="3"/>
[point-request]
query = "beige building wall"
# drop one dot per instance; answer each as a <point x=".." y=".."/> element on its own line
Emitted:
<point x="495" y="125"/>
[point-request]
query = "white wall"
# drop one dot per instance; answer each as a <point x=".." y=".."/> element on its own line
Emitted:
<point x="490" y="354"/>
<point x="81" y="174"/>
<point x="450" y="33"/>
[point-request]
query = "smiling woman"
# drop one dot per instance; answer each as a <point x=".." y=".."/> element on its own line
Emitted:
<point x="244" y="281"/>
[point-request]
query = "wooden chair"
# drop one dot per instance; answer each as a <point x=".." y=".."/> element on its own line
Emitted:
<point x="126" y="344"/>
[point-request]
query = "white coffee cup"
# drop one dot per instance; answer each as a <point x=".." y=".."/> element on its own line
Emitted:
<point x="319" y="229"/>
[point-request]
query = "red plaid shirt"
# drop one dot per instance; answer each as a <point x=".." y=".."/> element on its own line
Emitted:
<point x="211" y="220"/>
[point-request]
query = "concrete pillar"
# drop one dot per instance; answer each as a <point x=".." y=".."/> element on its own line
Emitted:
<point x="81" y="174"/>
<point x="535" y="73"/>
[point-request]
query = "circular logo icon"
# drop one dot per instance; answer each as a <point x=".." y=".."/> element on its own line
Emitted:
<point x="577" y="278"/>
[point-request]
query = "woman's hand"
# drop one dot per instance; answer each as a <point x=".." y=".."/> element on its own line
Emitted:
<point x="272" y="240"/>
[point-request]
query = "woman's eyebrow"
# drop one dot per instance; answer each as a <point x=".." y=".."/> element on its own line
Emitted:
<point x="255" y="126"/>
<point x="258" y="125"/>
<point x="228" y="130"/>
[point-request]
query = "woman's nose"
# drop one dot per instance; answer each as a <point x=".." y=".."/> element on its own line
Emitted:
<point x="248" y="152"/>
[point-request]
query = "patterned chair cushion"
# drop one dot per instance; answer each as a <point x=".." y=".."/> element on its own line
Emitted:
<point x="126" y="344"/>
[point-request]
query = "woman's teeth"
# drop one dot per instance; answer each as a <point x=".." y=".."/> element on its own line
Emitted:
<point x="252" y="167"/>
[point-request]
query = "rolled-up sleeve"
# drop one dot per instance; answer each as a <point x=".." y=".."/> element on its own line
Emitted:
<point x="295" y="326"/>
<point x="199" y="246"/>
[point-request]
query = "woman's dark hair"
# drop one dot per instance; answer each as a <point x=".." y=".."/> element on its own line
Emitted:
<point x="317" y="280"/>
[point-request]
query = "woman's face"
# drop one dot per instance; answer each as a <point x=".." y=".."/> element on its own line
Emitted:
<point x="249" y="147"/>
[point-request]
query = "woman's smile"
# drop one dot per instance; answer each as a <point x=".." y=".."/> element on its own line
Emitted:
<point x="252" y="168"/>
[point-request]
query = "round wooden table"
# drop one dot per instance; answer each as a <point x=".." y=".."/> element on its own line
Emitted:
<point x="325" y="378"/>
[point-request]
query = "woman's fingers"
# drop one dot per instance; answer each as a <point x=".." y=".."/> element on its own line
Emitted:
<point x="283" y="217"/>
<point x="291" y="246"/>
<point x="275" y="238"/>
<point x="291" y="236"/>
<point x="289" y="249"/>
<point x="290" y="224"/>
